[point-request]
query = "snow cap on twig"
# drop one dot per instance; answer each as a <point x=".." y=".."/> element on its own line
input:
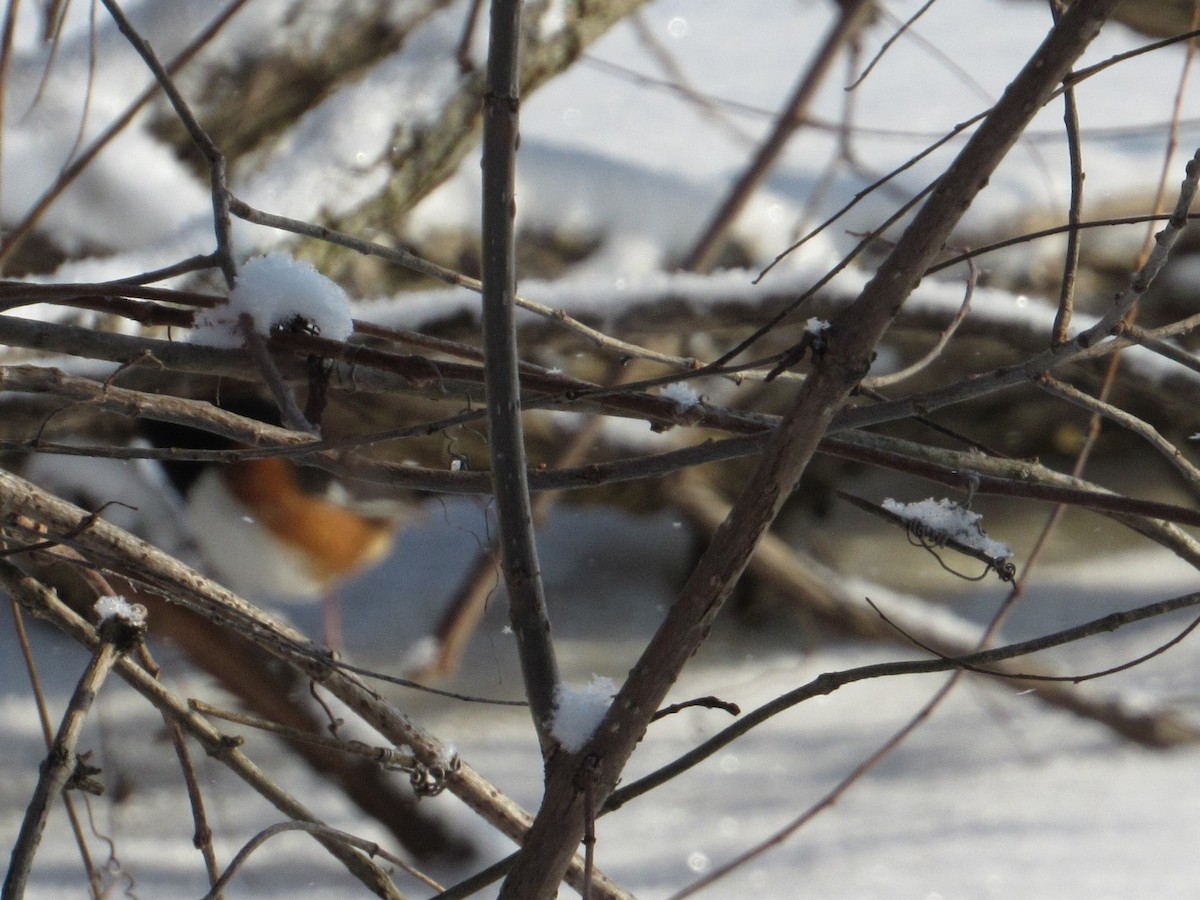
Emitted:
<point x="944" y="520"/>
<point x="114" y="606"/>
<point x="277" y="291"/>
<point x="683" y="395"/>
<point x="577" y="711"/>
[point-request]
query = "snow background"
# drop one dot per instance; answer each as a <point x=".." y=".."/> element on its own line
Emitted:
<point x="996" y="796"/>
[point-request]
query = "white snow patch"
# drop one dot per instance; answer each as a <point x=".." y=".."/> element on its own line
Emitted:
<point x="683" y="395"/>
<point x="816" y="326"/>
<point x="116" y="606"/>
<point x="946" y="520"/>
<point x="577" y="711"/>
<point x="338" y="155"/>
<point x="276" y="290"/>
<point x="421" y="654"/>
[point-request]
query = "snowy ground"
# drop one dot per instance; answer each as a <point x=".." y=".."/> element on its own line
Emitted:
<point x="995" y="796"/>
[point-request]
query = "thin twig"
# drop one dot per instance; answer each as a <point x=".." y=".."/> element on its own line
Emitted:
<point x="317" y="829"/>
<point x="518" y="548"/>
<point x="1040" y="676"/>
<point x="1142" y="337"/>
<point x="884" y="381"/>
<point x="1128" y="421"/>
<point x="14" y="236"/>
<point x="65" y="768"/>
<point x="1053" y="231"/>
<point x="902" y="30"/>
<point x="39" y="700"/>
<point x="852" y="16"/>
<point x="202" y="834"/>
<point x="211" y="152"/>
<point x="1066" y="297"/>
<point x="289" y="410"/>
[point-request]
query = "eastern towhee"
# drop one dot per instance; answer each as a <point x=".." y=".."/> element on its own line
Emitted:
<point x="272" y="531"/>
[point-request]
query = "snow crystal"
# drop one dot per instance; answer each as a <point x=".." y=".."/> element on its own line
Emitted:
<point x="684" y="396"/>
<point x="277" y="291"/>
<point x="947" y="520"/>
<point x="113" y="605"/>
<point x="577" y="711"/>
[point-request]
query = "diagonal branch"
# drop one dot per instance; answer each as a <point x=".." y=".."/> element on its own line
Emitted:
<point x="559" y="825"/>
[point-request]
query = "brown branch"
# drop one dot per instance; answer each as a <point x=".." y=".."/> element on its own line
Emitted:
<point x="64" y="768"/>
<point x="1066" y="297"/>
<point x="1128" y="421"/>
<point x="202" y="832"/>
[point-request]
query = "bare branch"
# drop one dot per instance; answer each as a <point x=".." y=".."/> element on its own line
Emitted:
<point x="518" y="550"/>
<point x="212" y="154"/>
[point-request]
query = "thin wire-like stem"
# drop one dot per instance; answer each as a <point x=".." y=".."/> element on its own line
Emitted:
<point x="317" y="829"/>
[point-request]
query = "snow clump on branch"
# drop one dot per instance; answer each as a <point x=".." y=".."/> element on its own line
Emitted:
<point x="277" y="291"/>
<point x="114" y="606"/>
<point x="577" y="711"/>
<point x="684" y="397"/>
<point x="944" y="520"/>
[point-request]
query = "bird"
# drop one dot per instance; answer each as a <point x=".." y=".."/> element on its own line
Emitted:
<point x="271" y="530"/>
